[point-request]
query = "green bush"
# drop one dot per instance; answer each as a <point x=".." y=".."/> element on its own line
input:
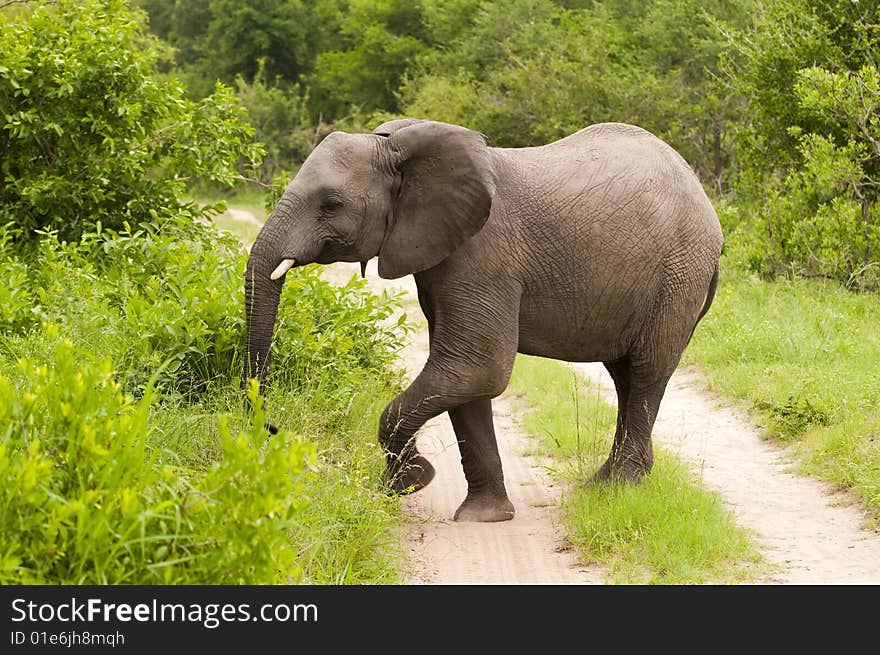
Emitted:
<point x="794" y="417"/>
<point x="88" y="131"/>
<point x="326" y="330"/>
<point x="85" y="499"/>
<point x="16" y="297"/>
<point x="106" y="435"/>
<point x="167" y="300"/>
<point x="126" y="452"/>
<point x="117" y="401"/>
<point x="809" y="78"/>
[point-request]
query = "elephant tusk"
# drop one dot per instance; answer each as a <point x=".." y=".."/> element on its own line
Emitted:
<point x="282" y="268"/>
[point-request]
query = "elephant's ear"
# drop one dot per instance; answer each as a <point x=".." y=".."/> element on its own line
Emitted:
<point x="447" y="182"/>
<point x="390" y="127"/>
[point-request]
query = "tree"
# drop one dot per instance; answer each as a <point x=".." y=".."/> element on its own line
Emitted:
<point x="528" y="71"/>
<point x="280" y="115"/>
<point x="88" y="132"/>
<point x="224" y="39"/>
<point x="381" y="39"/>
<point x="808" y="71"/>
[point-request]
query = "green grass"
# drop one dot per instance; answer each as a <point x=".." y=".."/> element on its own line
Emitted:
<point x="667" y="530"/>
<point x="804" y="357"/>
<point x="348" y="529"/>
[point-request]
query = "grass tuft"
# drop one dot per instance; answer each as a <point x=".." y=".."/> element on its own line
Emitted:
<point x="667" y="530"/>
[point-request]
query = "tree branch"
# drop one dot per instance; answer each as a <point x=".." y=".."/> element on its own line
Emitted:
<point x="6" y="3"/>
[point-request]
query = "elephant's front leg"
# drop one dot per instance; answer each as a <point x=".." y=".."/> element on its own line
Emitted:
<point x="486" y="499"/>
<point x="473" y="329"/>
<point x="407" y="470"/>
<point x="430" y="394"/>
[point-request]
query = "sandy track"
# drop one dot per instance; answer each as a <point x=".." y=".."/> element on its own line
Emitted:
<point x="807" y="532"/>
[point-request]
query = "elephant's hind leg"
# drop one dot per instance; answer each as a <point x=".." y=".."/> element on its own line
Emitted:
<point x="639" y="396"/>
<point x="486" y="499"/>
<point x="619" y="371"/>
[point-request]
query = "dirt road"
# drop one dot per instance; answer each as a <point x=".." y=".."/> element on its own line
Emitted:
<point x="807" y="532"/>
<point x="810" y="535"/>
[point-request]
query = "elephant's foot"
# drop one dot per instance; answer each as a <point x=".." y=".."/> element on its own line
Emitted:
<point x="407" y="478"/>
<point x="485" y="507"/>
<point x="621" y="472"/>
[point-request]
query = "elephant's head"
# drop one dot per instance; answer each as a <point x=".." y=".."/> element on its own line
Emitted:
<point x="410" y="193"/>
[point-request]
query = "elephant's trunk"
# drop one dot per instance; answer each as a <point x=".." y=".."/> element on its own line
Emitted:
<point x="261" y="306"/>
<point x="262" y="295"/>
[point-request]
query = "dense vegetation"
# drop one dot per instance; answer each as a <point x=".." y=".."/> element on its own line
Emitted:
<point x="127" y="452"/>
<point x="775" y="103"/>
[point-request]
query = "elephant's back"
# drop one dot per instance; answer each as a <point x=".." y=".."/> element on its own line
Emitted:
<point x="604" y="153"/>
<point x="610" y="218"/>
<point x="609" y="179"/>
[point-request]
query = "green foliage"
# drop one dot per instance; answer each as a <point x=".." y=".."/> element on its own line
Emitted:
<point x="764" y="60"/>
<point x="381" y="39"/>
<point x="86" y="500"/>
<point x="224" y="39"/>
<point x="523" y="72"/>
<point x="160" y="297"/>
<point x="122" y="420"/>
<point x="794" y="417"/>
<point x="551" y="74"/>
<point x="286" y="35"/>
<point x="89" y="133"/>
<point x="16" y="297"/>
<point x="530" y="71"/>
<point x="281" y="120"/>
<point x="808" y="72"/>
<point x="169" y="297"/>
<point x="327" y="330"/>
<point x="127" y="454"/>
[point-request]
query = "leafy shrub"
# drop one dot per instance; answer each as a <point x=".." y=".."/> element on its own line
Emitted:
<point x="89" y="133"/>
<point x="121" y="329"/>
<point x="794" y="416"/>
<point x="16" y="298"/>
<point x="813" y="225"/>
<point x="280" y="116"/>
<point x="121" y="414"/>
<point x="167" y="300"/>
<point x="538" y="73"/>
<point x="325" y="330"/>
<point x="85" y="499"/>
<point x="809" y="139"/>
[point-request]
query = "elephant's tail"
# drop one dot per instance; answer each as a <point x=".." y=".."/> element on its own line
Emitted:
<point x="710" y="296"/>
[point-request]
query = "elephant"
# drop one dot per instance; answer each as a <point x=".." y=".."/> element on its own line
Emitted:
<point x="599" y="247"/>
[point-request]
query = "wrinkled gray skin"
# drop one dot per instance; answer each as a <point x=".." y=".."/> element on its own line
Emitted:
<point x="601" y="247"/>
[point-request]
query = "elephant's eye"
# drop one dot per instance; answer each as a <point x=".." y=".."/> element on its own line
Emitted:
<point x="330" y="205"/>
